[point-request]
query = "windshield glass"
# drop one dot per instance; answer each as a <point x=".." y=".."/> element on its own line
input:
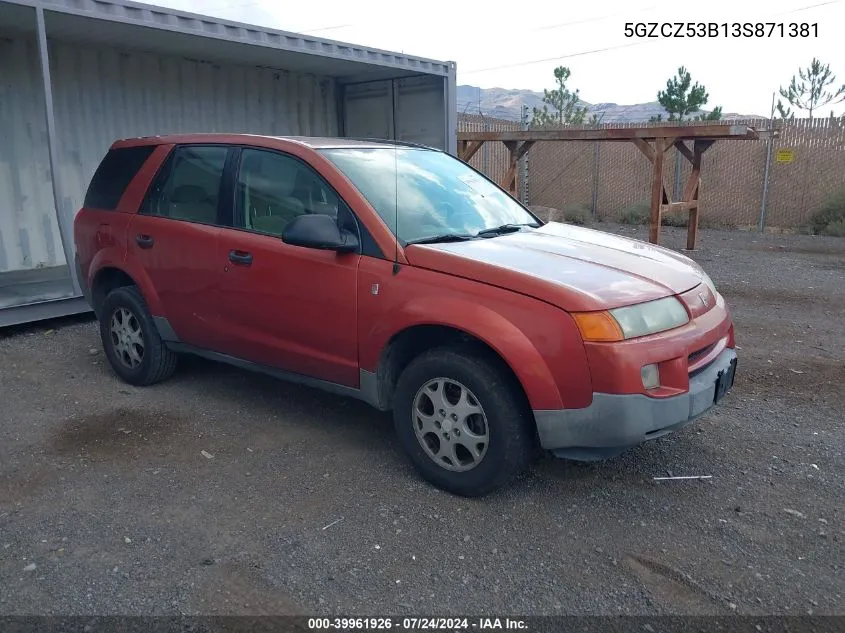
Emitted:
<point x="438" y="195"/>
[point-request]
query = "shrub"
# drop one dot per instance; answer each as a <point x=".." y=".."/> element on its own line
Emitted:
<point x="830" y="219"/>
<point x="675" y="218"/>
<point x="579" y="214"/>
<point x="640" y="213"/>
<point x="835" y="228"/>
<point x="635" y="214"/>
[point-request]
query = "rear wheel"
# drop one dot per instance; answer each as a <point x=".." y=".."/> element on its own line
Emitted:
<point x="462" y="422"/>
<point x="131" y="341"/>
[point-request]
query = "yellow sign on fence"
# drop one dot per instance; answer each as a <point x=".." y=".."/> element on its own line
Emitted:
<point x="785" y="156"/>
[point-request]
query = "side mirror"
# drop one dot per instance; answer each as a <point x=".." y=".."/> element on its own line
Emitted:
<point x="316" y="230"/>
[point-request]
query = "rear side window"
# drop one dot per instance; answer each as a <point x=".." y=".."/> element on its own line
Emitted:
<point x="114" y="174"/>
<point x="188" y="187"/>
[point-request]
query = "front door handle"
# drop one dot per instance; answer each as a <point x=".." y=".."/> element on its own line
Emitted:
<point x="145" y="241"/>
<point x="240" y="257"/>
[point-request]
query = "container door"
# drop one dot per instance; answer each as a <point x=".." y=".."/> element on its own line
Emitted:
<point x="410" y="109"/>
<point x="420" y="111"/>
<point x="368" y="110"/>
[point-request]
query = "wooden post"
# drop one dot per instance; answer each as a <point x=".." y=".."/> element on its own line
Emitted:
<point x="684" y="150"/>
<point x="517" y="150"/>
<point x="468" y="149"/>
<point x="691" y="195"/>
<point x="509" y="181"/>
<point x="645" y="148"/>
<point x="656" y="191"/>
<point x="692" y="190"/>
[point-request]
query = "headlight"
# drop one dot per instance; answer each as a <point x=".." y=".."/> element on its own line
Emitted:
<point x="641" y="319"/>
<point x="706" y="279"/>
<point x="650" y="317"/>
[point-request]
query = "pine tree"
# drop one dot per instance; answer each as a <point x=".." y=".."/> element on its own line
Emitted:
<point x="682" y="98"/>
<point x="809" y="90"/>
<point x="564" y="104"/>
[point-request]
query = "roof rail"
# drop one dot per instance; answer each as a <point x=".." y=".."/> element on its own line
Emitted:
<point x="388" y="141"/>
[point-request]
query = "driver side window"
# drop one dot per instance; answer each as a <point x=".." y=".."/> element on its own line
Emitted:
<point x="273" y="189"/>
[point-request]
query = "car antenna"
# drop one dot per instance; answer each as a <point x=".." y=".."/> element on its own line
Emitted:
<point x="396" y="208"/>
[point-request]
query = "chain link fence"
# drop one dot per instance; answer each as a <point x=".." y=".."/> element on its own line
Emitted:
<point x="493" y="159"/>
<point x="611" y="181"/>
<point x="807" y="168"/>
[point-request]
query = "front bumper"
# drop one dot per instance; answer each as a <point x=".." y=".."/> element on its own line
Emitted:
<point x="614" y="423"/>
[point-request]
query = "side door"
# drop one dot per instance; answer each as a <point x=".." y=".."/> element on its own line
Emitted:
<point x="289" y="307"/>
<point x="175" y="237"/>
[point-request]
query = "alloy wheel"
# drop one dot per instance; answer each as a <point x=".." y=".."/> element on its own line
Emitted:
<point x="450" y="424"/>
<point x="126" y="337"/>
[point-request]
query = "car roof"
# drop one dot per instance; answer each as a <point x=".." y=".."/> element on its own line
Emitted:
<point x="314" y="142"/>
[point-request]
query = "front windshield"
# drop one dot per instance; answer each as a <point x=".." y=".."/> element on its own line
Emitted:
<point x="438" y="195"/>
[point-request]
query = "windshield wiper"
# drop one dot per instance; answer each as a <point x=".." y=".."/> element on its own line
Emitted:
<point x="444" y="237"/>
<point x="503" y="229"/>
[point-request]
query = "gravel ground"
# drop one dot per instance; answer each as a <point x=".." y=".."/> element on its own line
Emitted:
<point x="302" y="501"/>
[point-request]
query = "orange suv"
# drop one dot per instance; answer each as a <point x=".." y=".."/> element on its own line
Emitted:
<point x="399" y="275"/>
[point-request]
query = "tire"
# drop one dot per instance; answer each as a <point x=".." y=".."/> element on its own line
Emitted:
<point x="510" y="437"/>
<point x="151" y="361"/>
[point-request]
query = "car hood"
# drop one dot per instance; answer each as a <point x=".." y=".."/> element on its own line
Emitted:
<point x="572" y="267"/>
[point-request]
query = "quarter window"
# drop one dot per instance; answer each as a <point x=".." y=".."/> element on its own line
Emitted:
<point x="113" y="175"/>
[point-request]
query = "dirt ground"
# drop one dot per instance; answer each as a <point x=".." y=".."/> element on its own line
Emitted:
<point x="303" y="502"/>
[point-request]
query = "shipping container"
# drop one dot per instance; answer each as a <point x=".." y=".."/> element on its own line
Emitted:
<point x="75" y="75"/>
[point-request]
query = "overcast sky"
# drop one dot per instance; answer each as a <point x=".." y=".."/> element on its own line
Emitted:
<point x="519" y="45"/>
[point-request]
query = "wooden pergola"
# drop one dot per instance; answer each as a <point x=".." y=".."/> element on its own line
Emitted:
<point x="653" y="141"/>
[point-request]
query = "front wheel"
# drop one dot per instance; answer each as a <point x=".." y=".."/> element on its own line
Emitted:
<point x="462" y="422"/>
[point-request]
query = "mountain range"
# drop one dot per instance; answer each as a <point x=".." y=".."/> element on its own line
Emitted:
<point x="503" y="103"/>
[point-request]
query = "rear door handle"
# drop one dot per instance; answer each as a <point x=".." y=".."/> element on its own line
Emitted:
<point x="145" y="241"/>
<point x="240" y="257"/>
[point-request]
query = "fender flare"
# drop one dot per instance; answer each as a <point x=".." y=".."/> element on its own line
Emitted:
<point x="488" y="326"/>
<point x="114" y="258"/>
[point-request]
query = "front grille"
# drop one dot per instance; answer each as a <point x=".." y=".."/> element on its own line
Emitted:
<point x="699" y="354"/>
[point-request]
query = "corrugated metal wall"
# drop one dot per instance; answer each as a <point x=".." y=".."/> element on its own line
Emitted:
<point x="101" y="94"/>
<point x="29" y="232"/>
